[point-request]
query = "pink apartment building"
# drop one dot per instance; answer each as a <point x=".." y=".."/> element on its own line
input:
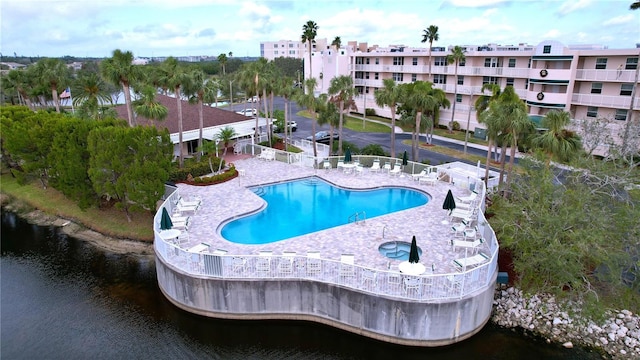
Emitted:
<point x="590" y="82"/>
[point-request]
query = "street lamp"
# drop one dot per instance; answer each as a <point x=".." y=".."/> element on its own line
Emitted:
<point x="466" y="135"/>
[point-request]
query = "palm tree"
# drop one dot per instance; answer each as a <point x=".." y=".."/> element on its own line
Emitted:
<point x="342" y="92"/>
<point x="308" y="101"/>
<point x="430" y="35"/>
<point x="225" y="135"/>
<point x="175" y="77"/>
<point x="52" y="73"/>
<point x="22" y="82"/>
<point x="212" y="88"/>
<point x="222" y="59"/>
<point x="389" y="95"/>
<point x="195" y="88"/>
<point x="337" y="42"/>
<point x="120" y="71"/>
<point x="635" y="5"/>
<point x="147" y="105"/>
<point x="284" y="88"/>
<point x="482" y="104"/>
<point x="417" y="97"/>
<point x="510" y="114"/>
<point x="89" y="92"/>
<point x="558" y="142"/>
<point x="456" y="56"/>
<point x="328" y="113"/>
<point x="309" y="33"/>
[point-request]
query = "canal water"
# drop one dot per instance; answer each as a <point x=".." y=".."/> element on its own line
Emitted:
<point x="62" y="298"/>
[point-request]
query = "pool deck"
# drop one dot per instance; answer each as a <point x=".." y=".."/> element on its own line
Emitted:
<point x="232" y="199"/>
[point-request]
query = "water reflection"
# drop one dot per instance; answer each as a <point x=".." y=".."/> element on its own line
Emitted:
<point x="65" y="299"/>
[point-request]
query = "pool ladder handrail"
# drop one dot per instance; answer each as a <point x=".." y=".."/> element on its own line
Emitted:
<point x="355" y="217"/>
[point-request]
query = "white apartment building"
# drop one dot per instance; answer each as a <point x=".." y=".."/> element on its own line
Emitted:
<point x="588" y="81"/>
<point x="271" y="50"/>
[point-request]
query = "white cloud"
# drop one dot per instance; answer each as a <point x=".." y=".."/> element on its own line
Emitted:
<point x="622" y="19"/>
<point x="476" y="3"/>
<point x="551" y="34"/>
<point x="570" y="6"/>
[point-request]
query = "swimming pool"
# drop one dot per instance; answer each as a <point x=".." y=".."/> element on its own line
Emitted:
<point x="308" y="205"/>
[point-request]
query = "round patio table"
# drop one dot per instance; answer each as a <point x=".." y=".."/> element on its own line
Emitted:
<point x="411" y="268"/>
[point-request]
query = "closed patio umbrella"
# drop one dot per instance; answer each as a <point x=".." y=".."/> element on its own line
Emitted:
<point x="165" y="220"/>
<point x="405" y="158"/>
<point x="347" y="156"/>
<point x="414" y="257"/>
<point x="449" y="202"/>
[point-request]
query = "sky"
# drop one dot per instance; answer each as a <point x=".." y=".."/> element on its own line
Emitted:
<point x="94" y="28"/>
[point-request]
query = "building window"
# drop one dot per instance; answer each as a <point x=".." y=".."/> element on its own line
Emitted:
<point x="275" y="46"/>
<point x="546" y="49"/>
<point x="377" y="61"/>
<point x="621" y="114"/>
<point x="292" y="52"/>
<point x="440" y="61"/>
<point x="596" y="88"/>
<point x="397" y="60"/>
<point x="489" y="80"/>
<point x="275" y="52"/>
<point x="415" y="61"/>
<point x="359" y="61"/>
<point x="510" y="81"/>
<point x="367" y="61"/>
<point x="526" y="84"/>
<point x="592" y="111"/>
<point x="366" y="75"/>
<point x="397" y="76"/>
<point x="601" y="63"/>
<point x="460" y="79"/>
<point x="359" y="75"/>
<point x="375" y="76"/>
<point x="626" y="89"/>
<point x="512" y="63"/>
<point x="487" y="62"/>
<point x="439" y="79"/>
<point x="462" y="62"/>
<point x="632" y="64"/>
<point x="291" y="45"/>
<point x="458" y="98"/>
<point x="414" y="77"/>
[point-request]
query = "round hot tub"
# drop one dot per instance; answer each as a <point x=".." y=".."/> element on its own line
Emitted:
<point x="397" y="250"/>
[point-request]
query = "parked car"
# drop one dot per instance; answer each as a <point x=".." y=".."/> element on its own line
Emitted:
<point x="253" y="99"/>
<point x="293" y="126"/>
<point x="323" y="137"/>
<point x="248" y="112"/>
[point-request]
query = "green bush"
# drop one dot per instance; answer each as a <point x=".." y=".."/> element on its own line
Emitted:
<point x="216" y="179"/>
<point x="370" y="112"/>
<point x="373" y="149"/>
<point x="195" y="168"/>
<point x="456" y="126"/>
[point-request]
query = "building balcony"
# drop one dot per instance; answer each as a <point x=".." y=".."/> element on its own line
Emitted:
<point x="615" y="102"/>
<point x="606" y="75"/>
<point x="552" y="75"/>
<point x="545" y="97"/>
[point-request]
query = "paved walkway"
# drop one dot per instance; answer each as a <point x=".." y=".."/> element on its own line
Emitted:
<point x="232" y="199"/>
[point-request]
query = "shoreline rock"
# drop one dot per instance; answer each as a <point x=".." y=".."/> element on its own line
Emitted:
<point x="618" y="335"/>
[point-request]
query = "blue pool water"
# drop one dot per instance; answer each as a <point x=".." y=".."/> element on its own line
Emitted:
<point x="308" y="205"/>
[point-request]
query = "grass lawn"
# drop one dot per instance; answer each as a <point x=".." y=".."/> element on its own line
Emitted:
<point x="111" y="222"/>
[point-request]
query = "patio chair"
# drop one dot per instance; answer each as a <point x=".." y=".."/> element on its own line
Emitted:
<point x="369" y="279"/>
<point x="285" y="266"/>
<point x="347" y="270"/>
<point x="359" y="169"/>
<point x="238" y="265"/>
<point x="326" y="165"/>
<point x="419" y="175"/>
<point x="387" y="166"/>
<point x="263" y="263"/>
<point x="237" y="148"/>
<point x="473" y="245"/>
<point x="412" y="284"/>
<point x="340" y="165"/>
<point x="314" y="263"/>
<point x="376" y="166"/>
<point x="469" y="198"/>
<point x="463" y="263"/>
<point x="397" y="167"/>
<point x="458" y="229"/>
<point x="430" y="179"/>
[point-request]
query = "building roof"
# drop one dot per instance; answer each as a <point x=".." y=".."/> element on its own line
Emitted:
<point x="212" y="117"/>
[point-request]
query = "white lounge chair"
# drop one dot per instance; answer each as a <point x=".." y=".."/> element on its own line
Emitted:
<point x="429" y="179"/>
<point x="474" y="245"/>
<point x="326" y="165"/>
<point x="463" y="263"/>
<point x="314" y="263"/>
<point x="263" y="263"/>
<point x="347" y="270"/>
<point x="376" y="166"/>
<point x="387" y="166"/>
<point x="412" y="284"/>
<point x="417" y="176"/>
<point x="285" y="266"/>
<point x="396" y="169"/>
<point x="469" y="198"/>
